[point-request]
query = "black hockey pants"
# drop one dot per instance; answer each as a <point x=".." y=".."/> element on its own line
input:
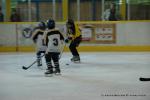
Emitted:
<point x="52" y="56"/>
<point x="75" y="43"/>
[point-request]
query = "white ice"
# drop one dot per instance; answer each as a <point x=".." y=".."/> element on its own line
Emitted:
<point x="99" y="76"/>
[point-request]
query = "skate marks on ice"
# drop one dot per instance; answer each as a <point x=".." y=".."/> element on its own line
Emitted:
<point x="106" y="73"/>
<point x="105" y="62"/>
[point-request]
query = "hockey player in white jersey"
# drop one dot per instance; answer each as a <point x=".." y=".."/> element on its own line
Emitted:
<point x="37" y="38"/>
<point x="53" y="39"/>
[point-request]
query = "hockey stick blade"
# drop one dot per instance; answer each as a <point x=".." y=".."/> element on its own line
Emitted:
<point x="25" y="68"/>
<point x="144" y="79"/>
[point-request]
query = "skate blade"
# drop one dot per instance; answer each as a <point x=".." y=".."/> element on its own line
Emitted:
<point x="76" y="61"/>
<point x="57" y="74"/>
<point x="39" y="65"/>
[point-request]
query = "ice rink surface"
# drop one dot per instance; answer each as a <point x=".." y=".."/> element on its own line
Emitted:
<point x="99" y="76"/>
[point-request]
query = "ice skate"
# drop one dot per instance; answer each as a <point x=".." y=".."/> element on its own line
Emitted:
<point x="57" y="71"/>
<point x="75" y="59"/>
<point x="49" y="73"/>
<point x="39" y="63"/>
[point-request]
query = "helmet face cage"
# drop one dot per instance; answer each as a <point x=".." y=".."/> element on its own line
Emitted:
<point x="42" y="25"/>
<point x="51" y="24"/>
<point x="70" y="23"/>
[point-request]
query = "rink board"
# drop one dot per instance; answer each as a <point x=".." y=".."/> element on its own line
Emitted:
<point x="96" y="36"/>
<point x="83" y="49"/>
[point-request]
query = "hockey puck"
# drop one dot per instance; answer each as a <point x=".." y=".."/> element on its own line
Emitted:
<point x="67" y="64"/>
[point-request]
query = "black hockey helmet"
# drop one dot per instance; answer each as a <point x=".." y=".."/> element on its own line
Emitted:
<point x="51" y="24"/>
<point x="42" y="25"/>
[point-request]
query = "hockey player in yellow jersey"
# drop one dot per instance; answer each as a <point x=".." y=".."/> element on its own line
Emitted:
<point x="74" y="38"/>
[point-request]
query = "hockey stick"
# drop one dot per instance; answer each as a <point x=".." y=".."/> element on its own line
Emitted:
<point x="144" y="79"/>
<point x="25" y="68"/>
<point x="62" y="51"/>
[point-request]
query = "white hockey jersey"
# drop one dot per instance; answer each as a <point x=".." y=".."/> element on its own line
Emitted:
<point x="53" y="39"/>
<point x="38" y="37"/>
